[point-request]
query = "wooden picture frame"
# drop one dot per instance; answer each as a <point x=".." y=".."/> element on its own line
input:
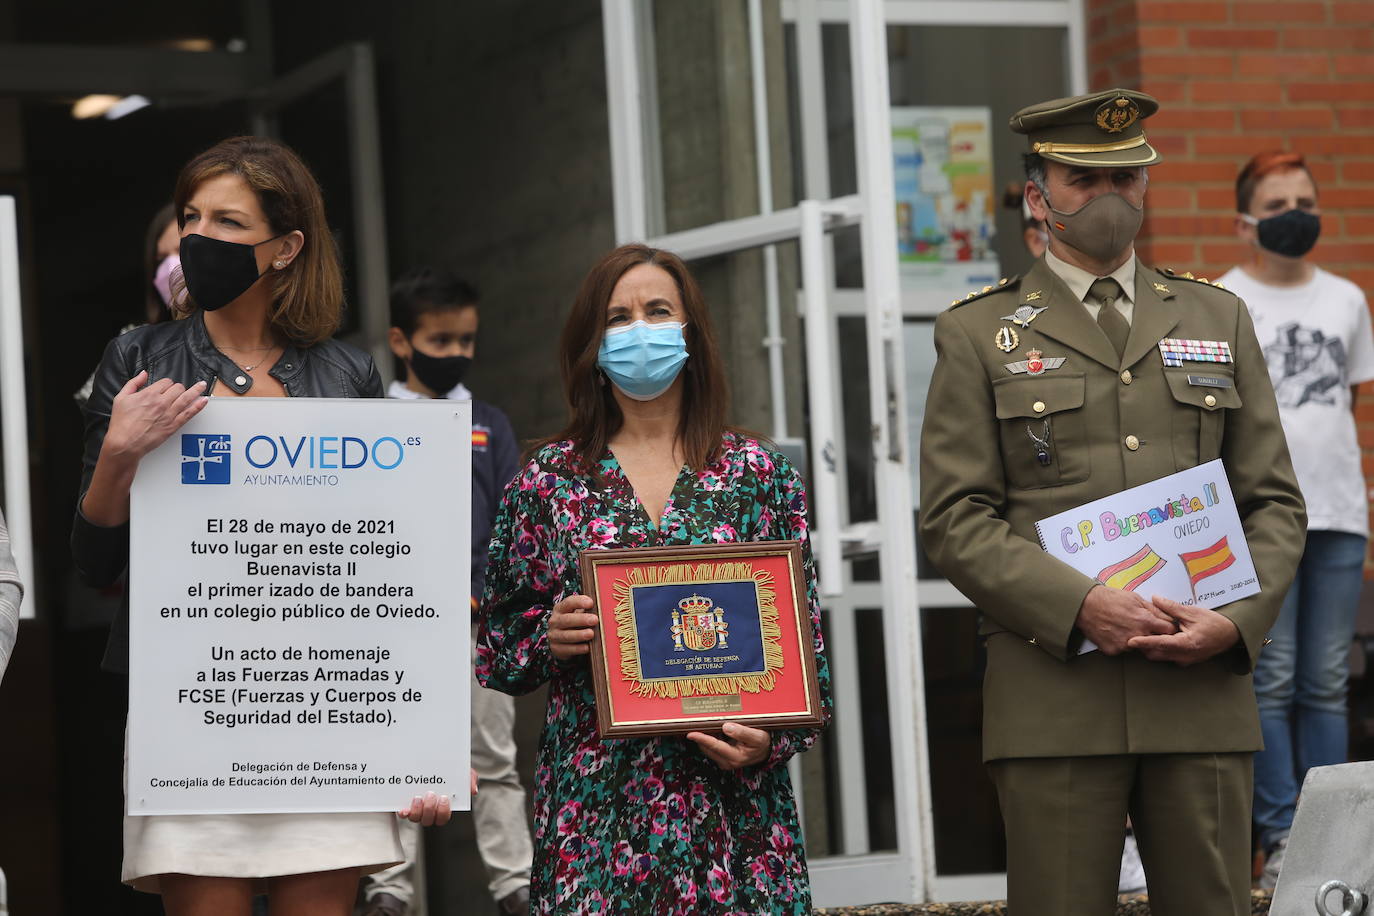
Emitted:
<point x="690" y="638"/>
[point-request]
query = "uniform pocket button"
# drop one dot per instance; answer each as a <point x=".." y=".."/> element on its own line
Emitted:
<point x="1038" y="407"/>
<point x="1210" y="400"/>
<point x="1132" y="443"/>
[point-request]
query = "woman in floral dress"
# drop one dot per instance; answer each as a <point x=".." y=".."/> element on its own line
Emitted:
<point x="643" y="826"/>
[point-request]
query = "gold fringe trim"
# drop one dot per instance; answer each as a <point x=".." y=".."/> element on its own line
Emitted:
<point x="688" y="574"/>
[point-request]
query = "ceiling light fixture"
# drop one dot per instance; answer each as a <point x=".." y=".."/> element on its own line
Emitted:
<point x="109" y="107"/>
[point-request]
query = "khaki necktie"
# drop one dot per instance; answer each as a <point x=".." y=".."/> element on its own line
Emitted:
<point x="1106" y="291"/>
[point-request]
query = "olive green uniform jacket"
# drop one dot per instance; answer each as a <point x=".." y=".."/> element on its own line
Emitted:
<point x="1114" y="423"/>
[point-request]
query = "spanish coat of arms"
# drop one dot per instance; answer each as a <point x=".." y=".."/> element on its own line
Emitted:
<point x="698" y="626"/>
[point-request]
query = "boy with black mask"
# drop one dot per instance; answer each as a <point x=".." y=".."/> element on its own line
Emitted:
<point x="1315" y="330"/>
<point x="434" y="336"/>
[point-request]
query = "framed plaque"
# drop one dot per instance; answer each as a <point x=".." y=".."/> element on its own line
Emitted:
<point x="692" y="637"/>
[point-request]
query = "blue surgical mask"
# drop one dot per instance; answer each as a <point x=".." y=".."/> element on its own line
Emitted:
<point x="643" y="359"/>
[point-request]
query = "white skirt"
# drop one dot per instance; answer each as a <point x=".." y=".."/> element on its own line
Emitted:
<point x="255" y="845"/>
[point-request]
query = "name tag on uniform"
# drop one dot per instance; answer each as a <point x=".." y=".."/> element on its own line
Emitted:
<point x="1210" y="381"/>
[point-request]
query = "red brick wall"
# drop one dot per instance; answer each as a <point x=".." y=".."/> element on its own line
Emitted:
<point x="1236" y="77"/>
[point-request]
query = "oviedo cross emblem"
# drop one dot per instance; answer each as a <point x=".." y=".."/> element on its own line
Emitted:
<point x="205" y="458"/>
<point x="699" y="624"/>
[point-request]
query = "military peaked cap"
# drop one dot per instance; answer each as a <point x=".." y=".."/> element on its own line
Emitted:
<point x="1103" y="129"/>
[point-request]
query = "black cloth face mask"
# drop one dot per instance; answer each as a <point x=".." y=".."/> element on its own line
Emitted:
<point x="218" y="272"/>
<point x="440" y="374"/>
<point x="1291" y="233"/>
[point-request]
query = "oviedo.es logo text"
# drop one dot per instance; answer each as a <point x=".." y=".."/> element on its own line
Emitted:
<point x="299" y="461"/>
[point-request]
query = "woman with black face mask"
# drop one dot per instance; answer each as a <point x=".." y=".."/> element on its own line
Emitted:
<point x="258" y="297"/>
<point x="1315" y="330"/>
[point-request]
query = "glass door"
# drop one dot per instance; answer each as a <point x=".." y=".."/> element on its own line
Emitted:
<point x="705" y="164"/>
<point x="957" y="72"/>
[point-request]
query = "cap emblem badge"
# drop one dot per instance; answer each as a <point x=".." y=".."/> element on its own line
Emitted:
<point x="1116" y="115"/>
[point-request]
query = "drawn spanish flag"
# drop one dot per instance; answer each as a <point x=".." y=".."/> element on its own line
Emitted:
<point x="1207" y="562"/>
<point x="1133" y="570"/>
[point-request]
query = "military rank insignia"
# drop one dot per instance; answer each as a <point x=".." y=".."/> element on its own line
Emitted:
<point x="1177" y="350"/>
<point x="1024" y="315"/>
<point x="1035" y="363"/>
<point x="1116" y="115"/>
<point x="1007" y="339"/>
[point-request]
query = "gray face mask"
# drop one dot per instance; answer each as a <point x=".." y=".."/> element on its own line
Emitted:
<point x="1102" y="228"/>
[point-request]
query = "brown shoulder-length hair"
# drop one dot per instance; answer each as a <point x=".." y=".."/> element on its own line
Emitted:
<point x="308" y="293"/>
<point x="594" y="416"/>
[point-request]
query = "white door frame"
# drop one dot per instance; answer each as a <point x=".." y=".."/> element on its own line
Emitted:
<point x="907" y="874"/>
<point x="14" y="411"/>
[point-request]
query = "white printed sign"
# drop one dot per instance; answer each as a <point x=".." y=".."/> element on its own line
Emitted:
<point x="299" y="610"/>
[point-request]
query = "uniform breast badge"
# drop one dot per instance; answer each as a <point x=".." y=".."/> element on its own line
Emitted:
<point x="1035" y="363"/>
<point x="1176" y="350"/>
<point x="1007" y="339"/>
<point x="1024" y="315"/>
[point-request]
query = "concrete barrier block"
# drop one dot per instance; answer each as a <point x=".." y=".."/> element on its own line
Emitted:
<point x="1332" y="840"/>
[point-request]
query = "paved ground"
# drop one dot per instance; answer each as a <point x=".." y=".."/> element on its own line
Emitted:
<point x="1129" y="906"/>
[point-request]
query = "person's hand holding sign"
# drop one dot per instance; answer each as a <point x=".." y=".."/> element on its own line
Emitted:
<point x="571" y="628"/>
<point x="429" y="810"/>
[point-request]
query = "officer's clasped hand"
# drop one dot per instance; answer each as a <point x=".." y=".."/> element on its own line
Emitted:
<point x="1111" y="617"/>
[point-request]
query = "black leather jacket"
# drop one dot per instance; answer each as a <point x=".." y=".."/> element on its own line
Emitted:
<point x="182" y="351"/>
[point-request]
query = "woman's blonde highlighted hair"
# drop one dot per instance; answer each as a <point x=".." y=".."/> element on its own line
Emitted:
<point x="308" y="293"/>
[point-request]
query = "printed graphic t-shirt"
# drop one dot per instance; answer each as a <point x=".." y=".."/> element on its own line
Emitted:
<point x="1317" y="343"/>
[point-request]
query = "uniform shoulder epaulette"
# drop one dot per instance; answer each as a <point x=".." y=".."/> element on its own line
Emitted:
<point x="1188" y="275"/>
<point x="980" y="293"/>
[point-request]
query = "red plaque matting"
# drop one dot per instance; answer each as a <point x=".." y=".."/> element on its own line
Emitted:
<point x="692" y="637"/>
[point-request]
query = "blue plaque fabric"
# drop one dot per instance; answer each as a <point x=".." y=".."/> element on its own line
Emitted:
<point x="658" y="655"/>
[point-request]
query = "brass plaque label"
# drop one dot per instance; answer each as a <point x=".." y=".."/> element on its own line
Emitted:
<point x="693" y="706"/>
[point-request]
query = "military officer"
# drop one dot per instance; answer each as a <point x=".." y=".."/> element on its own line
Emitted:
<point x="1051" y="390"/>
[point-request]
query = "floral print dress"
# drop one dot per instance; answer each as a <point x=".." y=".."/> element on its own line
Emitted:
<point x="643" y="826"/>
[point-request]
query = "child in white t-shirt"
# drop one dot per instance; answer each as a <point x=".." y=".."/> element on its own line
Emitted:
<point x="1314" y="328"/>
